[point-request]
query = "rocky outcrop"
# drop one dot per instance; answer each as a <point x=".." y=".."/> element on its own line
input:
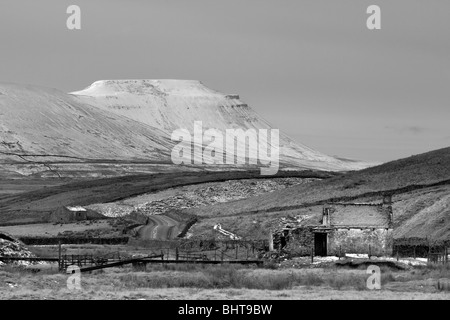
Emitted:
<point x="201" y="195"/>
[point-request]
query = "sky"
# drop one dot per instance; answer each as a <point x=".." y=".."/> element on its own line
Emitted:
<point x="311" y="68"/>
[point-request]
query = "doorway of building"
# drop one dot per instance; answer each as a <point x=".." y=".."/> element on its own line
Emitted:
<point x="320" y="244"/>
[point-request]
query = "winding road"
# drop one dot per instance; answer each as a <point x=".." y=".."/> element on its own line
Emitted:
<point x="159" y="227"/>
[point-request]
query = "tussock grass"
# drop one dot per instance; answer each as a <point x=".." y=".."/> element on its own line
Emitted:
<point x="22" y="270"/>
<point x="434" y="271"/>
<point x="443" y="285"/>
<point x="437" y="272"/>
<point x="230" y="276"/>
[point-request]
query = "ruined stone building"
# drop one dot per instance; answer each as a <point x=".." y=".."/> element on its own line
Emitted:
<point x="345" y="228"/>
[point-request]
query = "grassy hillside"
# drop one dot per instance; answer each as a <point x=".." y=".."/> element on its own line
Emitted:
<point x="34" y="206"/>
<point x="417" y="171"/>
<point x="420" y="185"/>
<point x="421" y="214"/>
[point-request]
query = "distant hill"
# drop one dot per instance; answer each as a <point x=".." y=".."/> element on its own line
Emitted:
<point x="424" y="169"/>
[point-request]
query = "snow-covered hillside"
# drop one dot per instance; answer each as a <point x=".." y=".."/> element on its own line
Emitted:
<point x="125" y="121"/>
<point x="47" y="123"/>
<point x="172" y="104"/>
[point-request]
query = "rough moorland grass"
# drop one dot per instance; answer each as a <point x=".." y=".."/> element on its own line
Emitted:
<point x="22" y="270"/>
<point x="268" y="278"/>
<point x="430" y="271"/>
<point x="235" y="277"/>
<point x="219" y="277"/>
<point x="438" y="272"/>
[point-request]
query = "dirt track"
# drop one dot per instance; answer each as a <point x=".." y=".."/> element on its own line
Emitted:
<point x="160" y="227"/>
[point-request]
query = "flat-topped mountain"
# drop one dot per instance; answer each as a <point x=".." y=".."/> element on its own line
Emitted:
<point x="127" y="120"/>
<point x="172" y="104"/>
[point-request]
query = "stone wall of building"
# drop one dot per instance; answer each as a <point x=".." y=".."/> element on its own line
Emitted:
<point x="379" y="241"/>
<point x="300" y="241"/>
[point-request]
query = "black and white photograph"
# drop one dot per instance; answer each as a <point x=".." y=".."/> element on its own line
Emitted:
<point x="228" y="156"/>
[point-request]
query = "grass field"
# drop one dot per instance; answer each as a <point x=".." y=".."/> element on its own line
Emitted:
<point x="421" y="170"/>
<point x="225" y="282"/>
<point x="51" y="230"/>
<point x="420" y="186"/>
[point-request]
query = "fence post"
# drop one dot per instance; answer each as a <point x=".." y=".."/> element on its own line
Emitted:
<point x="443" y="255"/>
<point x="270" y="241"/>
<point x="312" y="255"/>
<point x="370" y="251"/>
<point x="59" y="256"/>
<point x="176" y="253"/>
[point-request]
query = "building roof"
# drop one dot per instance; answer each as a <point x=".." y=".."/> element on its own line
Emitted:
<point x="77" y="208"/>
<point x="360" y="216"/>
